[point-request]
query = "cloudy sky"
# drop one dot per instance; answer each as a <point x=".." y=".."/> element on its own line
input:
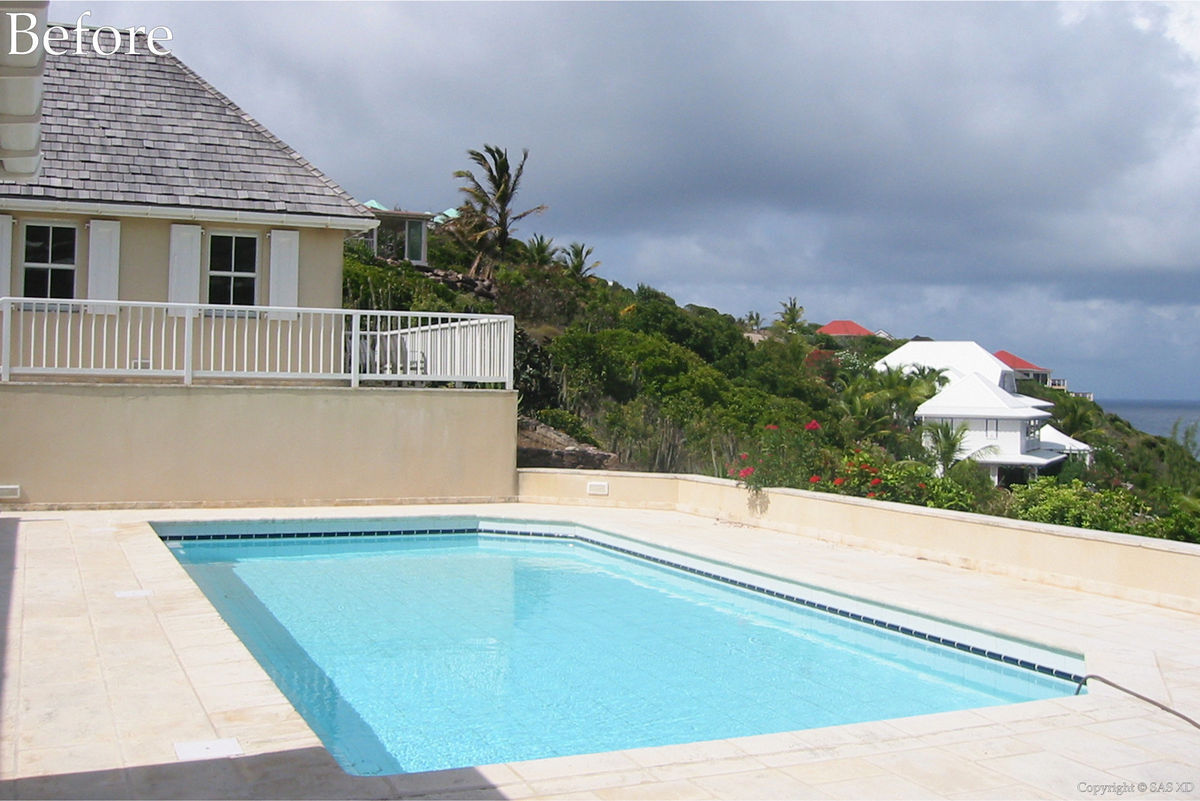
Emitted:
<point x="1024" y="175"/>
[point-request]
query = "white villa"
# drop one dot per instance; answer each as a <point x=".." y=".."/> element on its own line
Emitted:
<point x="1006" y="431"/>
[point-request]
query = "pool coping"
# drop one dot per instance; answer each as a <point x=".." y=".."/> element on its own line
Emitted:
<point x="270" y="738"/>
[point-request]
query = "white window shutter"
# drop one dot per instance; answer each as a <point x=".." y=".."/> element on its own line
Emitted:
<point x="183" y="278"/>
<point x="104" y="259"/>
<point x="284" y="289"/>
<point x="6" y="229"/>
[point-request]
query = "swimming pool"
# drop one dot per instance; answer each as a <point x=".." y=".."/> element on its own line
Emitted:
<point x="448" y="642"/>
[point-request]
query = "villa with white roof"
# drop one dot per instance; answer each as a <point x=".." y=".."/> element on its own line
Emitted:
<point x="1006" y="431"/>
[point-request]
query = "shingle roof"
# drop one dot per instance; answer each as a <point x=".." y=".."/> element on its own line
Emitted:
<point x="144" y="129"/>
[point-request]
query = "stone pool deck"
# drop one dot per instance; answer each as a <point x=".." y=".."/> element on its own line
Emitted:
<point x="121" y="681"/>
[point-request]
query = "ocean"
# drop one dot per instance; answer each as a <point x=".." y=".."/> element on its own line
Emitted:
<point x="1154" y="417"/>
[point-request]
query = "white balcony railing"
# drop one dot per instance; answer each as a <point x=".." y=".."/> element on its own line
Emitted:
<point x="40" y="338"/>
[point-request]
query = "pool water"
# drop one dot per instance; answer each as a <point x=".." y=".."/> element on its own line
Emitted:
<point x="423" y="652"/>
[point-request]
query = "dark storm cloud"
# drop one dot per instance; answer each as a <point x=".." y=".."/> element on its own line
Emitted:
<point x="991" y="171"/>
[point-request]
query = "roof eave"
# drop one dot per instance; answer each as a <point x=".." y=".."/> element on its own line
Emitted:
<point x="191" y="214"/>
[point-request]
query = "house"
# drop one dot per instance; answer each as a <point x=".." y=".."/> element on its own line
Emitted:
<point x="1024" y="370"/>
<point x="1006" y="431"/>
<point x="844" y="328"/>
<point x="171" y="326"/>
<point x="400" y="234"/>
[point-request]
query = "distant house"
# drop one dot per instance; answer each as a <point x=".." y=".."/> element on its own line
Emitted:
<point x="844" y="328"/>
<point x="400" y="235"/>
<point x="1025" y="370"/>
<point x="1006" y="431"/>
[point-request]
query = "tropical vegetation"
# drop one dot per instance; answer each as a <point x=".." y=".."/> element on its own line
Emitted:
<point x="683" y="389"/>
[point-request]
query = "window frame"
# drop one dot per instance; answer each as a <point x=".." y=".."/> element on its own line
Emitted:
<point x="50" y="266"/>
<point x="209" y="272"/>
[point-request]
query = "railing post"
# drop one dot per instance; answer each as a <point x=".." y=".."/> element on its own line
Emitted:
<point x="6" y="340"/>
<point x="355" y="318"/>
<point x="509" y="334"/>
<point x="189" y="323"/>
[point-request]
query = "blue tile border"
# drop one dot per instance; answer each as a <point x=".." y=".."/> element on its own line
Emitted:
<point x="483" y="529"/>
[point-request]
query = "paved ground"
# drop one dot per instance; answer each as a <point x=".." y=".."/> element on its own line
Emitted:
<point x="121" y="681"/>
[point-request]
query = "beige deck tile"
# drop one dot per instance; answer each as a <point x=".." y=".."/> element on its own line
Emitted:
<point x="1084" y="745"/>
<point x="1182" y="745"/>
<point x="1052" y="772"/>
<point x="243" y="695"/>
<point x="1178" y="775"/>
<point x="988" y="748"/>
<point x="465" y="781"/>
<point x="708" y="767"/>
<point x="666" y="791"/>
<point x="101" y="784"/>
<point x="833" y="770"/>
<point x="593" y="782"/>
<point x="1009" y="792"/>
<point x="687" y="752"/>
<point x="538" y="769"/>
<point x="75" y="758"/>
<point x="936" y="768"/>
<point x="883" y="785"/>
<point x="760" y="784"/>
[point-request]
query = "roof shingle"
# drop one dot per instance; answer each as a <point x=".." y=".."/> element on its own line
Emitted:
<point x="146" y="130"/>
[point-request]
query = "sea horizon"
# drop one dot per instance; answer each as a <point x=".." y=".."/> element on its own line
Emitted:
<point x="1153" y="416"/>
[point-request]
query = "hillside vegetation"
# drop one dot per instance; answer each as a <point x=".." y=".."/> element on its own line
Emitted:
<point x="682" y="389"/>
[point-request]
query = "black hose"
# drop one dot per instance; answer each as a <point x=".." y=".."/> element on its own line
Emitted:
<point x="1116" y="686"/>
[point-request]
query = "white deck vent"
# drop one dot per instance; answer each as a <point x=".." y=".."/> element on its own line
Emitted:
<point x="10" y="492"/>
<point x="597" y="488"/>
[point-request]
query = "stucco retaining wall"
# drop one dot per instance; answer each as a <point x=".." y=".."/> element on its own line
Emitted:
<point x="122" y="444"/>
<point x="1119" y="565"/>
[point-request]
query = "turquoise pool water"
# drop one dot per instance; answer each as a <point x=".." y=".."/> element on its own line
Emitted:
<point x="422" y="652"/>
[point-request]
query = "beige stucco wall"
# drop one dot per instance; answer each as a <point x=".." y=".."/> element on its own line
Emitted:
<point x="1121" y="565"/>
<point x="145" y="247"/>
<point x="117" y="444"/>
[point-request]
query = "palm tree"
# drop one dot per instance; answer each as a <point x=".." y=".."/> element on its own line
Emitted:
<point x="575" y="260"/>
<point x="791" y="316"/>
<point x="541" y="251"/>
<point x="1075" y="417"/>
<point x="944" y="440"/>
<point x="752" y="321"/>
<point x="487" y="214"/>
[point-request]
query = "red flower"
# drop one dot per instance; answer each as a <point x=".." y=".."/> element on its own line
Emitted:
<point x="732" y="470"/>
<point x="921" y="485"/>
<point x="743" y="456"/>
<point x="865" y="466"/>
<point x="745" y="471"/>
<point x="876" y="481"/>
<point x="771" y="427"/>
<point x="870" y="495"/>
<point x="812" y="425"/>
<point x="837" y="482"/>
<point x="814" y="480"/>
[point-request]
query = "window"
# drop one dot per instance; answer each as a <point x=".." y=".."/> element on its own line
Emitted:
<point x="991" y="428"/>
<point x="50" y="261"/>
<point x="232" y="269"/>
<point x="414" y="241"/>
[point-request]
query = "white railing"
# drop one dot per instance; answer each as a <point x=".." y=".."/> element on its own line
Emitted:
<point x="177" y="340"/>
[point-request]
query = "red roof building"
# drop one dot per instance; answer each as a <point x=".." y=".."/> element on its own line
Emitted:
<point x="1023" y="368"/>
<point x="844" y="328"/>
